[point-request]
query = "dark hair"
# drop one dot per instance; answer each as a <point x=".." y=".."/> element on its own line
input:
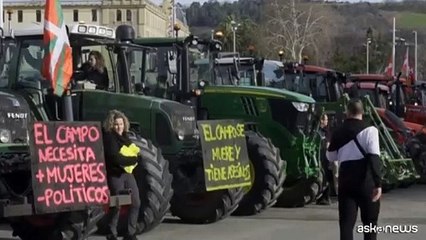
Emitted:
<point x="355" y="107"/>
<point x="100" y="61"/>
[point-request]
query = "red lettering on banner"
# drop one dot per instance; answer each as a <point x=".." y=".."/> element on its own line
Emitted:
<point x="67" y="196"/>
<point x="41" y="133"/>
<point x="70" y="170"/>
<point x="66" y="134"/>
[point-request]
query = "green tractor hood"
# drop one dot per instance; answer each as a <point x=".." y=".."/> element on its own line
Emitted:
<point x="256" y="91"/>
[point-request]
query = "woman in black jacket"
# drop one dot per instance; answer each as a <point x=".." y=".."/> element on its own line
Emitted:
<point x="94" y="70"/>
<point x="121" y="156"/>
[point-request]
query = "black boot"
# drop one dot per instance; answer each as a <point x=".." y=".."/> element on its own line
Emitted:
<point x="130" y="237"/>
<point x="111" y="237"/>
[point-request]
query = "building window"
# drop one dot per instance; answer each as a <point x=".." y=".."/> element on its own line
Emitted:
<point x="118" y="15"/>
<point x="129" y="15"/>
<point x="38" y="15"/>
<point x="20" y="16"/>
<point x="75" y="15"/>
<point x="94" y="15"/>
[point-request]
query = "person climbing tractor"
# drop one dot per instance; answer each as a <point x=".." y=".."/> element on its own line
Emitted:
<point x="121" y="157"/>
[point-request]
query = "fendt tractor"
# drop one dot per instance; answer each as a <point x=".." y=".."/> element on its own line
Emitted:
<point x="282" y="116"/>
<point x="34" y="210"/>
<point x="330" y="86"/>
<point x="169" y="76"/>
<point x="171" y="175"/>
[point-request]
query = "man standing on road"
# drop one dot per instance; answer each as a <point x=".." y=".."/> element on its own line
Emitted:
<point x="326" y="171"/>
<point x="356" y="146"/>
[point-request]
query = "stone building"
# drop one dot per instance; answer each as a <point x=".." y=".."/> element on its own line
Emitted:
<point x="148" y="18"/>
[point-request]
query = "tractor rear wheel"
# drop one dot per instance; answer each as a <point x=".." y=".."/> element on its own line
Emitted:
<point x="206" y="207"/>
<point x="155" y="186"/>
<point x="64" y="226"/>
<point x="269" y="175"/>
<point x="155" y="189"/>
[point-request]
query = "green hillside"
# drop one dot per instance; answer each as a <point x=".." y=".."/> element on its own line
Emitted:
<point x="412" y="20"/>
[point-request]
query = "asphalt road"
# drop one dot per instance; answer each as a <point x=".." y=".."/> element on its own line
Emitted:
<point x="401" y="207"/>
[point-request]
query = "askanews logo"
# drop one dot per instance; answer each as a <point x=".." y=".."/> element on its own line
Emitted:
<point x="387" y="229"/>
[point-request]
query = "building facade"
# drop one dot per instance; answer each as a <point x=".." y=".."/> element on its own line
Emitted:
<point x="147" y="18"/>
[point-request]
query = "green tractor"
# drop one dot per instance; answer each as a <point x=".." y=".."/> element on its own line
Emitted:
<point x="285" y="119"/>
<point x="327" y="87"/>
<point x="172" y="173"/>
<point x="34" y="209"/>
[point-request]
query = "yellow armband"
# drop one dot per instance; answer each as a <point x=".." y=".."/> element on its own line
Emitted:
<point x="129" y="169"/>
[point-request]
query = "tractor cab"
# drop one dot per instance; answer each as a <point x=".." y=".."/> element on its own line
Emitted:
<point x="94" y="47"/>
<point x="378" y="93"/>
<point x="399" y="89"/>
<point x="324" y="85"/>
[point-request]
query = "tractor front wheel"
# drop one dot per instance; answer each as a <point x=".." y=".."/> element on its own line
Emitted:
<point x="206" y="207"/>
<point x="66" y="226"/>
<point x="269" y="175"/>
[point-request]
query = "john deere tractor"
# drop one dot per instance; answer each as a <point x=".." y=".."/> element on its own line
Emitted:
<point x="175" y="180"/>
<point x="327" y="87"/>
<point x="274" y="117"/>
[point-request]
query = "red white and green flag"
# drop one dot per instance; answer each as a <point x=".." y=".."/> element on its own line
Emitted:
<point x="57" y="62"/>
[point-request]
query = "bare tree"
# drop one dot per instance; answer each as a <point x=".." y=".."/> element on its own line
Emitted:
<point x="291" y="28"/>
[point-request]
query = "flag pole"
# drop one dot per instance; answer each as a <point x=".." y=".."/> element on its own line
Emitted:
<point x="1" y="14"/>
<point x="393" y="48"/>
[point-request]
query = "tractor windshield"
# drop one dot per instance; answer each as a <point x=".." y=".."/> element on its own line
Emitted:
<point x="274" y="75"/>
<point x="9" y="48"/>
<point x="310" y="84"/>
<point x="378" y="98"/>
<point x="29" y="63"/>
<point x="224" y="74"/>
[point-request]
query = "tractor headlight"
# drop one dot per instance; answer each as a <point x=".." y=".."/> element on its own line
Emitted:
<point x="4" y="136"/>
<point x="180" y="135"/>
<point x="301" y="107"/>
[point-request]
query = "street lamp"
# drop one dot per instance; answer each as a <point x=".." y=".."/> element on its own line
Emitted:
<point x="281" y="54"/>
<point x="234" y="27"/>
<point x="369" y="36"/>
<point x="415" y="55"/>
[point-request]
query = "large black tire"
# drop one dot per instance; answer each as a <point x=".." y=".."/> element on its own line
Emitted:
<point x="65" y="226"/>
<point x="207" y="207"/>
<point x="316" y="189"/>
<point x="269" y="175"/>
<point x="417" y="150"/>
<point x="155" y="186"/>
<point x="155" y="189"/>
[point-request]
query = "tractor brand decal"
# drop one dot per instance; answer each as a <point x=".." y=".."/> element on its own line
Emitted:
<point x="188" y="119"/>
<point x="17" y="115"/>
<point x="225" y="157"/>
<point x="68" y="166"/>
